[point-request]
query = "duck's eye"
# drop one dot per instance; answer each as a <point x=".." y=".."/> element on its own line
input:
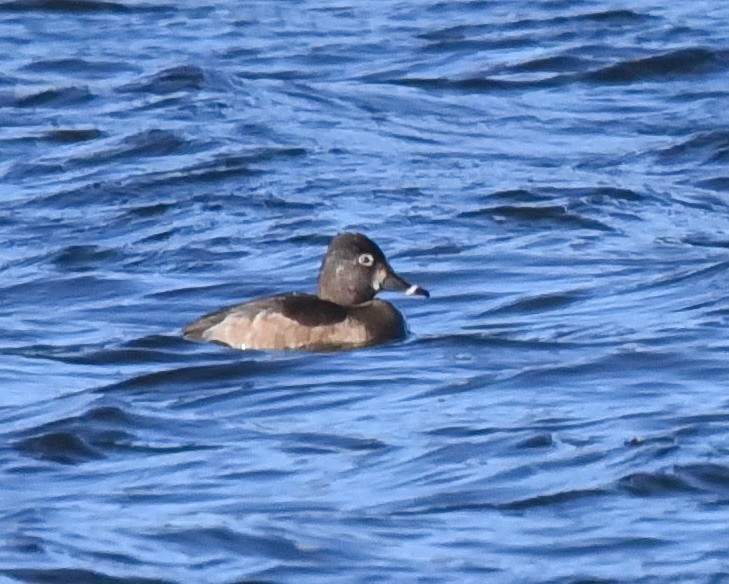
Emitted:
<point x="366" y="259"/>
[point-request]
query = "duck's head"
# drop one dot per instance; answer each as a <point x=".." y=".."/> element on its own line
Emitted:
<point x="354" y="270"/>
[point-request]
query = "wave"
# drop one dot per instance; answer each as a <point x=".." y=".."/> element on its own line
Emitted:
<point x="571" y="69"/>
<point x="58" y="97"/>
<point x="680" y="62"/>
<point x="81" y="7"/>
<point x="557" y="214"/>
<point x="174" y="79"/>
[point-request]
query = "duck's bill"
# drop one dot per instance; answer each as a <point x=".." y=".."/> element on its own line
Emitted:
<point x="394" y="282"/>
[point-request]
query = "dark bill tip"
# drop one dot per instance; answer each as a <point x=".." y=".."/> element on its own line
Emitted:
<point x="417" y="291"/>
<point x="395" y="282"/>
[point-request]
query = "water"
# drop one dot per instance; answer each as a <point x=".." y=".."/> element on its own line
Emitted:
<point x="555" y="173"/>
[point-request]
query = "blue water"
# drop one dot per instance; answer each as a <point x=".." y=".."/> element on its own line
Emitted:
<point x="555" y="173"/>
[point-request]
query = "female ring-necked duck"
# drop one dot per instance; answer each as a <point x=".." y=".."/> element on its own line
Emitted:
<point x="343" y="314"/>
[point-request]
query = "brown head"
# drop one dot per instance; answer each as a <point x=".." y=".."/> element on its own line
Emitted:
<point x="355" y="269"/>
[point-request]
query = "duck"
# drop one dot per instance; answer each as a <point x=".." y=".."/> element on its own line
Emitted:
<point x="343" y="314"/>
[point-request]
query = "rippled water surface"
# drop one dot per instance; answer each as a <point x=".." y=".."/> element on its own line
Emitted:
<point x="554" y="172"/>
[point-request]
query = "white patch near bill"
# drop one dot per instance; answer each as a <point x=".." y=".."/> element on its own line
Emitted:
<point x="412" y="290"/>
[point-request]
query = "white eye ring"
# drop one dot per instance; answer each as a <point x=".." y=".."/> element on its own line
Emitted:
<point x="366" y="259"/>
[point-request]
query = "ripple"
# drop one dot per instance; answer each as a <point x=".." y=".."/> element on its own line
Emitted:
<point x="195" y="377"/>
<point x="707" y="147"/>
<point x="81" y="258"/>
<point x="322" y="443"/>
<point x="697" y="274"/>
<point x="61" y="447"/>
<point x="220" y="538"/>
<point x="649" y="484"/>
<point x="529" y="213"/>
<point x="541" y="302"/>
<point x="473" y="500"/>
<point x="219" y="166"/>
<point x="479" y="84"/>
<point x="67" y="575"/>
<point x="537" y="441"/>
<point x="706" y="241"/>
<point x="552" y="499"/>
<point x="74" y="66"/>
<point x="153" y="142"/>
<point x="569" y="70"/>
<point x="62" y="96"/>
<point x="709" y="477"/>
<point x="71" y="135"/>
<point x="172" y="80"/>
<point x="147" y="144"/>
<point x="555" y="64"/>
<point x="71" y="6"/>
<point x="99" y="432"/>
<point x="687" y="61"/>
<point x="719" y="183"/>
<point x="617" y="17"/>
